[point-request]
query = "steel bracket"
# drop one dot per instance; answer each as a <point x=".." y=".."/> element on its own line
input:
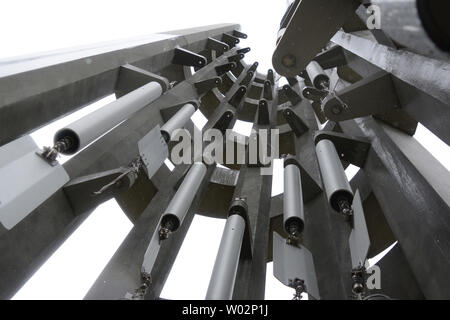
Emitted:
<point x="232" y="41"/>
<point x="224" y="68"/>
<point x="294" y="262"/>
<point x="224" y="121"/>
<point x="188" y="58"/>
<point x="351" y="149"/>
<point x="235" y="100"/>
<point x="80" y="191"/>
<point x="267" y="93"/>
<point x="243" y="50"/>
<point x="372" y="95"/>
<point x="216" y="45"/>
<point x="206" y="85"/>
<point x="263" y="113"/>
<point x="313" y="94"/>
<point x="239" y="34"/>
<point x="270" y="76"/>
<point x="254" y="67"/>
<point x="333" y="57"/>
<point x="291" y="95"/>
<point x="236" y="57"/>
<point x="246" y="81"/>
<point x="153" y="150"/>
<point x="297" y="125"/>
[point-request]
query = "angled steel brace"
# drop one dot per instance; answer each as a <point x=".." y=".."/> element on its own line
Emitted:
<point x="188" y="58"/>
<point x="224" y="68"/>
<point x="235" y="100"/>
<point x="206" y="85"/>
<point x="351" y="149"/>
<point x="232" y="41"/>
<point x="297" y="125"/>
<point x="216" y="45"/>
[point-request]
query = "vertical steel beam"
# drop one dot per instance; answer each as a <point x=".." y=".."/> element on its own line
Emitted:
<point x="417" y="213"/>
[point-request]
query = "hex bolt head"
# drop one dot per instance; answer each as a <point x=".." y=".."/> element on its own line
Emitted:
<point x="289" y="60"/>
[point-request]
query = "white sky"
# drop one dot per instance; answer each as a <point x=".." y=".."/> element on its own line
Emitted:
<point x="35" y="26"/>
<point x="28" y="27"/>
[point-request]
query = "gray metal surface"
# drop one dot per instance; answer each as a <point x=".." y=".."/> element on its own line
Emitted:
<point x="401" y="21"/>
<point x="428" y="82"/>
<point x="81" y="191"/>
<point x="153" y="151"/>
<point x="313" y="23"/>
<point x="182" y="200"/>
<point x="416" y="213"/>
<point x="152" y="252"/>
<point x="372" y="95"/>
<point x="293" y="211"/>
<point x="26" y="181"/>
<point x="359" y="240"/>
<point x="291" y="262"/>
<point x="223" y="277"/>
<point x="333" y="174"/>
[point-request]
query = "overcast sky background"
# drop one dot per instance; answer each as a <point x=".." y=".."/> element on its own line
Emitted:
<point x="28" y="27"/>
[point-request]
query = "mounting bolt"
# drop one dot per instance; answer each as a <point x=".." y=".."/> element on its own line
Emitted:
<point x="336" y="109"/>
<point x="289" y="60"/>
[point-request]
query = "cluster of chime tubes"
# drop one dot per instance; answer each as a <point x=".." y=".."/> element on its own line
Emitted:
<point x="223" y="277"/>
<point x="80" y="133"/>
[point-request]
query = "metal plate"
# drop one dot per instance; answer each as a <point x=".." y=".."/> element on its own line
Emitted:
<point x="152" y="252"/>
<point x="26" y="180"/>
<point x="153" y="151"/>
<point x="359" y="240"/>
<point x="290" y="262"/>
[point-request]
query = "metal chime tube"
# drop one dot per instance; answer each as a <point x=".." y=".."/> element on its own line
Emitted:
<point x="178" y="120"/>
<point x="223" y="277"/>
<point x="182" y="200"/>
<point x="334" y="179"/>
<point x="317" y="75"/>
<point x="293" y="211"/>
<point x="85" y="130"/>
